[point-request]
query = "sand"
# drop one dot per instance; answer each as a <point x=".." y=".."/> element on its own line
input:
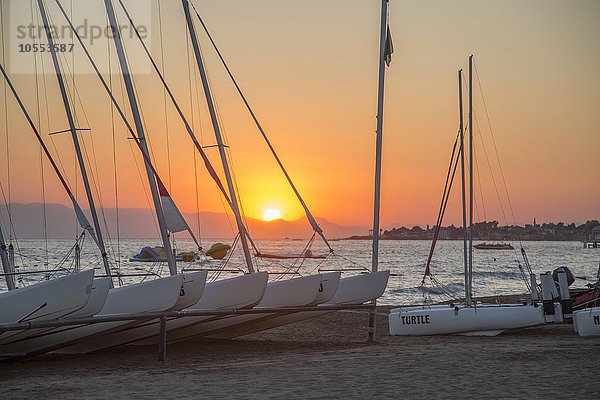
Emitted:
<point x="326" y="357"/>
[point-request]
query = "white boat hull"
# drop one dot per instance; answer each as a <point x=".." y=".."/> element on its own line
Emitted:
<point x="360" y="289"/>
<point x="482" y="320"/>
<point x="587" y="322"/>
<point x="352" y="290"/>
<point x="235" y="293"/>
<point x="156" y="295"/>
<point x="327" y="288"/>
<point x="47" y="300"/>
<point x="96" y="300"/>
<point x="190" y="293"/>
<point x="288" y="293"/>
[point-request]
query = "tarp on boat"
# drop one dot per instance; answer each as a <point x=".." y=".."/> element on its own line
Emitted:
<point x="158" y="254"/>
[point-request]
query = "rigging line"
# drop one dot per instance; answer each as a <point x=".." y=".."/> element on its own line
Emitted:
<point x="115" y="164"/>
<point x="311" y="219"/>
<point x="162" y="64"/>
<point x="198" y="226"/>
<point x="6" y="126"/>
<point x="121" y="114"/>
<point x="207" y="163"/>
<point x="11" y="228"/>
<point x="480" y="186"/>
<point x="196" y="185"/>
<point x="228" y="155"/>
<point x="489" y="165"/>
<point x="200" y="130"/>
<point x="494" y="143"/>
<point x="145" y="188"/>
<point x="152" y="157"/>
<point x="212" y="172"/>
<point x="445" y="196"/>
<point x="42" y="186"/>
<point x="490" y="168"/>
<point x="75" y="218"/>
<point x="475" y="170"/>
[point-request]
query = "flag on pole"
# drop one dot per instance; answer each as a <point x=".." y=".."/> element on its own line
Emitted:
<point x="389" y="47"/>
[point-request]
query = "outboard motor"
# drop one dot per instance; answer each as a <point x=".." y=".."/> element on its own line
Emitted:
<point x="566" y="270"/>
<point x="549" y="293"/>
<point x="563" y="278"/>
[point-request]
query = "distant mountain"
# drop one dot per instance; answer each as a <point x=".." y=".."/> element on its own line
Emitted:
<point x="28" y="223"/>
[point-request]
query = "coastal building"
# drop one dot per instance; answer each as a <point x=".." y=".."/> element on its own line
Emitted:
<point x="593" y="240"/>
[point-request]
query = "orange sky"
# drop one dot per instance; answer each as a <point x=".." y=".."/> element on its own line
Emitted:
<point x="310" y="71"/>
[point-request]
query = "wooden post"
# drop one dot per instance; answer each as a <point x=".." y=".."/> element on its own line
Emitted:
<point x="162" y="339"/>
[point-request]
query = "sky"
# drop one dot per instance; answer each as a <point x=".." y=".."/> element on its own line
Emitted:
<point x="309" y="70"/>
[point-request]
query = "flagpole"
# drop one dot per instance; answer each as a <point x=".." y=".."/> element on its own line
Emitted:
<point x="378" y="150"/>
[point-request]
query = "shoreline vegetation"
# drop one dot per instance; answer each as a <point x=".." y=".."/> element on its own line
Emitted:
<point x="492" y="231"/>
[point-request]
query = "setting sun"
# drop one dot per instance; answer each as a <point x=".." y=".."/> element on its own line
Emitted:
<point x="271" y="214"/>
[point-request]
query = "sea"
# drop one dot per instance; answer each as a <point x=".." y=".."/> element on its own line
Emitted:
<point x="495" y="272"/>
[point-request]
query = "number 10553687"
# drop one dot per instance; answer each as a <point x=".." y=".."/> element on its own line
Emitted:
<point x="42" y="48"/>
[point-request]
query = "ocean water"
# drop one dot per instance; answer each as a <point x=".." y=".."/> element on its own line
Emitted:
<point x="495" y="272"/>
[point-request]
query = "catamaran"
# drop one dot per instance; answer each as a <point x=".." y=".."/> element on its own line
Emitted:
<point x="468" y="317"/>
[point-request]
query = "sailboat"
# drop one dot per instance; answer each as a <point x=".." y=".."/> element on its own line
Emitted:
<point x="283" y="293"/>
<point x="493" y="246"/>
<point x="174" y="292"/>
<point x="468" y="317"/>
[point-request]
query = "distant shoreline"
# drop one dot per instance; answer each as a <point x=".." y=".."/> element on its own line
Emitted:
<point x="492" y="232"/>
<point x="490" y="240"/>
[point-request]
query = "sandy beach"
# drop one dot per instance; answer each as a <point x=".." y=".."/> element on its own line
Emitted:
<point x="326" y="357"/>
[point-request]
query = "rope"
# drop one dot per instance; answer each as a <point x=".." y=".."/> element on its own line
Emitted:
<point x="6" y="128"/>
<point x="309" y="216"/>
<point x="38" y="113"/>
<point x="445" y="197"/>
<point x="115" y="164"/>
<point x="494" y="143"/>
<point x="162" y="64"/>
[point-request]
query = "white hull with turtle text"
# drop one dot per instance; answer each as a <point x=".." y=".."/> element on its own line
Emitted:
<point x="477" y="320"/>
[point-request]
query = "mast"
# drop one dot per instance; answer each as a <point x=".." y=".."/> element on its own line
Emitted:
<point x="470" y="176"/>
<point x="6" y="265"/>
<point x="379" y="137"/>
<point x="83" y="221"/>
<point x="217" y="131"/>
<point x="378" y="150"/>
<point x="312" y="221"/>
<point x="141" y="136"/>
<point x="73" y="130"/>
<point x="464" y="200"/>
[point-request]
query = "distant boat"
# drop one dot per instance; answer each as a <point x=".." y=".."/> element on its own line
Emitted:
<point x="493" y="246"/>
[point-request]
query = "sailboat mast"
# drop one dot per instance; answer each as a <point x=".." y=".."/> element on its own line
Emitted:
<point x="141" y="136"/>
<point x="379" y="137"/>
<point x="83" y="221"/>
<point x="378" y="150"/>
<point x="6" y="265"/>
<point x="73" y="129"/>
<point x="464" y="199"/>
<point x="215" y="123"/>
<point x="470" y="176"/>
